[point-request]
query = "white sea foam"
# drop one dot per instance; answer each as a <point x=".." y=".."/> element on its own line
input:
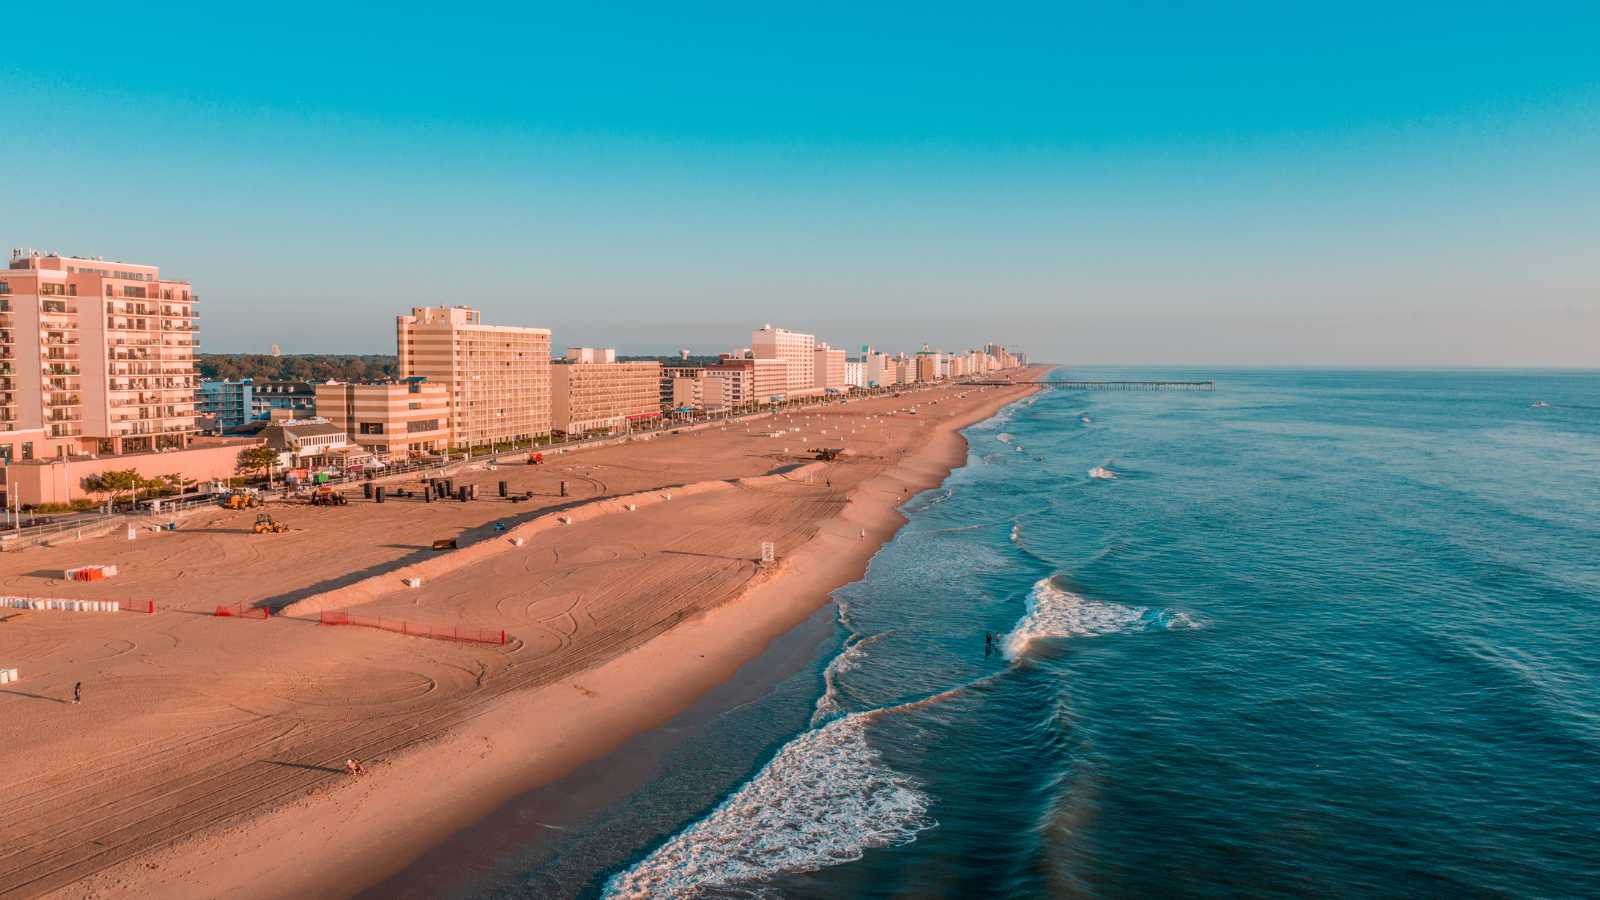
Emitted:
<point x="828" y="704"/>
<point x="1003" y="437"/>
<point x="825" y="799"/>
<point x="1102" y="473"/>
<point x="1055" y="613"/>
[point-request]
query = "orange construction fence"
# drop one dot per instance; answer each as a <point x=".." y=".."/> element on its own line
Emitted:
<point x="415" y="629"/>
<point x="241" y="611"/>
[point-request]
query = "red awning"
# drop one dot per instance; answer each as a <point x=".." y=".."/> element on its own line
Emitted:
<point x="649" y="415"/>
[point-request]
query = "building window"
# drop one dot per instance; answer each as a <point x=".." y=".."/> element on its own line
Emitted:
<point x="5" y="452"/>
<point x="27" y="450"/>
<point x="372" y="428"/>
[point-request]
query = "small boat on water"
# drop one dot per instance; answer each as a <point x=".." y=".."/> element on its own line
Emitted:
<point x="1102" y="473"/>
<point x="1085" y="419"/>
<point x="1539" y="404"/>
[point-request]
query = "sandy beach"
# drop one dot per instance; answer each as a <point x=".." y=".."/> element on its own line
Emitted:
<point x="206" y="757"/>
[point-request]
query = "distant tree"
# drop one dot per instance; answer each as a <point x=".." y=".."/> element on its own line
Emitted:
<point x="256" y="459"/>
<point x="114" y="482"/>
<point x="309" y="367"/>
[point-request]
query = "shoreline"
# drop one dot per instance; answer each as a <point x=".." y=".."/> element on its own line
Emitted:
<point x="409" y="804"/>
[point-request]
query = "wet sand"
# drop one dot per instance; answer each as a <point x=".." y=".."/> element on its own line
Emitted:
<point x="205" y="758"/>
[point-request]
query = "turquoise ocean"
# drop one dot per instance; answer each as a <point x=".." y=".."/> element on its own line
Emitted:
<point x="1314" y="633"/>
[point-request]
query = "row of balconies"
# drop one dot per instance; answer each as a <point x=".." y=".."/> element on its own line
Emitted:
<point x="66" y="430"/>
<point x="60" y="399"/>
<point x="142" y="428"/>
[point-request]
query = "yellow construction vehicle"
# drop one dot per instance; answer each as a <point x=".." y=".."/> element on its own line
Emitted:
<point x="266" y="524"/>
<point x="240" y="500"/>
<point x="325" y="495"/>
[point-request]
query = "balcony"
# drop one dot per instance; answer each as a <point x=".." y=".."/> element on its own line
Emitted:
<point x="64" y="417"/>
<point x="66" y="430"/>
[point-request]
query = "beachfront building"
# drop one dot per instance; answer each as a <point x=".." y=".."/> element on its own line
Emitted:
<point x="96" y="368"/>
<point x="712" y="388"/>
<point x="880" y="370"/>
<point x="590" y="391"/>
<point x="669" y="377"/>
<point x="755" y="381"/>
<point x="394" y="421"/>
<point x="280" y="400"/>
<point x="796" y="350"/>
<point x="496" y="377"/>
<point x="95" y="357"/>
<point x="828" y="369"/>
<point x="309" y="443"/>
<point x="227" y="405"/>
<point x="855" y="373"/>
<point x="927" y="366"/>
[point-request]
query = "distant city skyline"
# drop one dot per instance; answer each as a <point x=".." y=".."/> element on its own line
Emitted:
<point x="1366" y="186"/>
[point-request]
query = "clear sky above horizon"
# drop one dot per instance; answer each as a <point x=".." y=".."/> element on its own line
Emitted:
<point x="1261" y="184"/>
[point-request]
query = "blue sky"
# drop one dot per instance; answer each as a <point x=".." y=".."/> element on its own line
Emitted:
<point x="1255" y="184"/>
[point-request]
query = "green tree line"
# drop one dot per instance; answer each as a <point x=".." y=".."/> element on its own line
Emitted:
<point x="311" y="367"/>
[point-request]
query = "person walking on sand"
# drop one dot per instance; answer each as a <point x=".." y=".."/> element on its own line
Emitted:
<point x="77" y="692"/>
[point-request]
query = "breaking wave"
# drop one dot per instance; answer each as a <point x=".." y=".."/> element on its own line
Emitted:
<point x="825" y="799"/>
<point x="1055" y="613"/>
<point x="1003" y="437"/>
<point x="828" y="704"/>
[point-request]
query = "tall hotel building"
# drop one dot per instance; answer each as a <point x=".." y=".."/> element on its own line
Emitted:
<point x="96" y="357"/>
<point x="798" y="351"/>
<point x="496" y="377"/>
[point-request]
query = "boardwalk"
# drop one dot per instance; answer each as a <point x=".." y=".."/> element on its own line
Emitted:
<point x="1075" y="385"/>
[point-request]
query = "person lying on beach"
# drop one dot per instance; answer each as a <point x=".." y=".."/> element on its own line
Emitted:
<point x="351" y="767"/>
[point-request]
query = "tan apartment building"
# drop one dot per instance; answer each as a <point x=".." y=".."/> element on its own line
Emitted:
<point x="828" y="369"/>
<point x="797" y="350"/>
<point x="757" y="381"/>
<point x="496" y="377"/>
<point x="708" y="389"/>
<point x="393" y="421"/>
<point x="590" y="391"/>
<point x="96" y="357"/>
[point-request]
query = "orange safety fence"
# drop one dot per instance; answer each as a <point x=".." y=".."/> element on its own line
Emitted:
<point x="139" y="606"/>
<point x="416" y="629"/>
<point x="241" y="611"/>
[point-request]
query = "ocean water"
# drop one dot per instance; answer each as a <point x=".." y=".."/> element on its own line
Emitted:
<point x="1315" y="633"/>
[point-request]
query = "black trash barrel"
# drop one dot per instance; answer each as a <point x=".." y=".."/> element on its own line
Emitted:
<point x="366" y="489"/>
<point x="377" y="494"/>
<point x="502" y="489"/>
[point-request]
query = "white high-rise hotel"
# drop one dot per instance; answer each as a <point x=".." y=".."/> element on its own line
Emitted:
<point x="798" y="351"/>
